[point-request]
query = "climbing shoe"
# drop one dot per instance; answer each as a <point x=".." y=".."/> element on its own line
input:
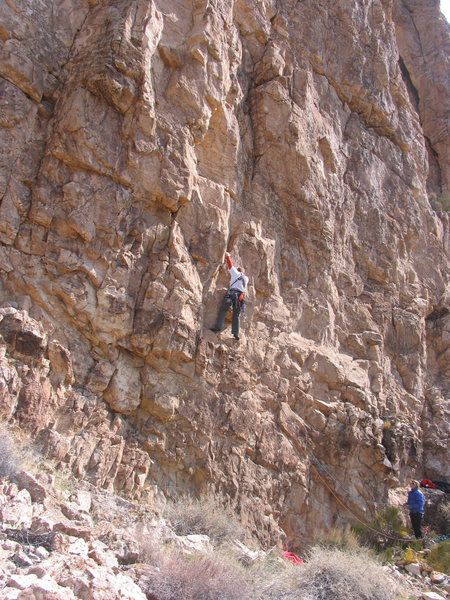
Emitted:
<point x="236" y="337"/>
<point x="214" y="329"/>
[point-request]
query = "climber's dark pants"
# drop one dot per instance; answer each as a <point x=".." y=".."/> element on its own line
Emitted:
<point x="416" y="522"/>
<point x="230" y="299"/>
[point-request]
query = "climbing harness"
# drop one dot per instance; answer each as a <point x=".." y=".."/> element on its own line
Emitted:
<point x="236" y="298"/>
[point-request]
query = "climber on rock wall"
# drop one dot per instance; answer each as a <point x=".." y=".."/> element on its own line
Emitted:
<point x="234" y="298"/>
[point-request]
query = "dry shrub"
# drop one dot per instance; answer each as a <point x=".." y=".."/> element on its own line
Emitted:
<point x="440" y="516"/>
<point x="201" y="578"/>
<point x="204" y="516"/>
<point x="331" y="574"/>
<point x="149" y="544"/>
<point x="440" y="202"/>
<point x="341" y="538"/>
<point x="444" y="511"/>
<point x="8" y="460"/>
<point x="281" y="583"/>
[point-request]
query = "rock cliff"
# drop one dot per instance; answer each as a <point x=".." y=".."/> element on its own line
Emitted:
<point x="140" y="141"/>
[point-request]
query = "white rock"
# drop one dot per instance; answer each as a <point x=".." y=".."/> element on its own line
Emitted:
<point x="84" y="500"/>
<point x="432" y="596"/>
<point x="191" y="544"/>
<point x="10" y="593"/>
<point x="22" y="559"/>
<point x="79" y="547"/>
<point x="46" y="588"/>
<point x="21" y="581"/>
<point x="246" y="555"/>
<point x="102" y="555"/>
<point x="103" y="583"/>
<point x="10" y="546"/>
<point x="42" y="553"/>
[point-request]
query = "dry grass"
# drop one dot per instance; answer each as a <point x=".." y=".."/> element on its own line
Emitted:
<point x="443" y="517"/>
<point x="331" y="574"/>
<point x="337" y="570"/>
<point x="340" y="538"/>
<point x="150" y="544"/>
<point x="204" y="516"/>
<point x="8" y="455"/>
<point x="201" y="578"/>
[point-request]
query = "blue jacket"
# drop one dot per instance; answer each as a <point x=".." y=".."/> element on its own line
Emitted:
<point x="416" y="501"/>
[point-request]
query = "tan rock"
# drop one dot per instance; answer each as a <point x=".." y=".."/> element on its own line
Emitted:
<point x="25" y="338"/>
<point x="414" y="569"/>
<point x="124" y="390"/>
<point x="437" y="577"/>
<point x="304" y="140"/>
<point x="60" y="363"/>
<point x="26" y="481"/>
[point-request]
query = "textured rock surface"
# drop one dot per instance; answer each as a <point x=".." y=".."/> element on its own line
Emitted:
<point x="140" y="140"/>
<point x="121" y="545"/>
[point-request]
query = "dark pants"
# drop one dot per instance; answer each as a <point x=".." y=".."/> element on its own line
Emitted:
<point x="416" y="522"/>
<point x="231" y="299"/>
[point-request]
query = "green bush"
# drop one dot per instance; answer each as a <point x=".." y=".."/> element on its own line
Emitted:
<point x="389" y="523"/>
<point x="439" y="557"/>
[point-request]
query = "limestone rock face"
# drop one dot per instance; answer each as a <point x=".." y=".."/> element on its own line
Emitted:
<point x="142" y="139"/>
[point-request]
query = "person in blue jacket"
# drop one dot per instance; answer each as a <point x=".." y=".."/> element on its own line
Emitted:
<point x="416" y="505"/>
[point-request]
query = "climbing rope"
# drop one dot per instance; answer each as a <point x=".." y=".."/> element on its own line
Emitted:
<point x="381" y="533"/>
<point x="320" y="467"/>
<point x="339" y="484"/>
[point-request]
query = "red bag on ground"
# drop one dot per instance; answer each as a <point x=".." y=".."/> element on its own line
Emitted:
<point x="293" y="558"/>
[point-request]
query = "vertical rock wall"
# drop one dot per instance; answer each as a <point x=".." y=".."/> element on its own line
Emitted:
<point x="140" y="141"/>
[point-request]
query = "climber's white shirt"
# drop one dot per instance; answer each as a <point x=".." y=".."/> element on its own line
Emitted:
<point x="235" y="282"/>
